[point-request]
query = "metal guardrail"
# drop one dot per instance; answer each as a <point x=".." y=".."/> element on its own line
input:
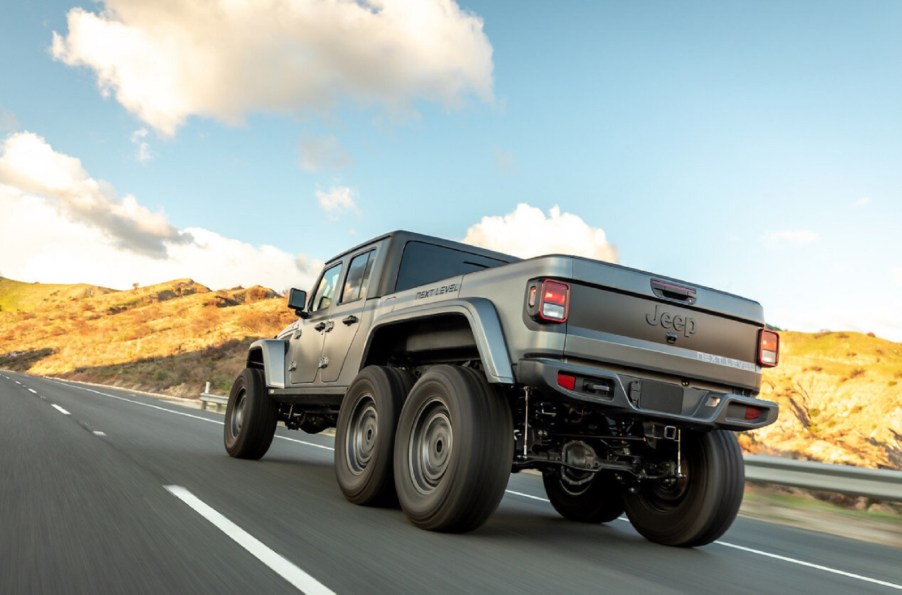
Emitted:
<point x="878" y="484"/>
<point x="207" y="399"/>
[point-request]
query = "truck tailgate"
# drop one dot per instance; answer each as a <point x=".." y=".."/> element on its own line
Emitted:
<point x="638" y="321"/>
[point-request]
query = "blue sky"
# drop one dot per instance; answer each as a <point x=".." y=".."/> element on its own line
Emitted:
<point x="749" y="146"/>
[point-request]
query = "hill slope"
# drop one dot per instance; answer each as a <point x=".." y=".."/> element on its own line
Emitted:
<point x="840" y="397"/>
<point x="839" y="393"/>
<point x="170" y="337"/>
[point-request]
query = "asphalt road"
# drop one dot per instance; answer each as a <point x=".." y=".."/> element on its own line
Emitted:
<point x="104" y="491"/>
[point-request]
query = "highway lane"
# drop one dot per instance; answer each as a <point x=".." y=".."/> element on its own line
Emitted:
<point x="83" y="512"/>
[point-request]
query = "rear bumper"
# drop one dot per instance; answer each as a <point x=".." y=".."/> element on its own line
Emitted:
<point x="625" y="395"/>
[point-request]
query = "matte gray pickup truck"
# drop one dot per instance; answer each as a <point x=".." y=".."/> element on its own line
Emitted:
<point x="445" y="367"/>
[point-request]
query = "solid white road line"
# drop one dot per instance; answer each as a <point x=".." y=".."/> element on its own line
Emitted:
<point x="291" y="573"/>
<point x="761" y="553"/>
<point x="212" y="421"/>
<point x="320" y="446"/>
<point x="522" y="495"/>
<point x="60" y="409"/>
<point x="810" y="565"/>
<point x="132" y="401"/>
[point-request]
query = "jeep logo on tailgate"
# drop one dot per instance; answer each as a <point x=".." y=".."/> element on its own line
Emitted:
<point x="682" y="324"/>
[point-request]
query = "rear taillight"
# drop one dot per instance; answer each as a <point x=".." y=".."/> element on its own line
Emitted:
<point x="768" y="348"/>
<point x="549" y="300"/>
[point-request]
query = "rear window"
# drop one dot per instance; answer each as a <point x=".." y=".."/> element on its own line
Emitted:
<point x="424" y="263"/>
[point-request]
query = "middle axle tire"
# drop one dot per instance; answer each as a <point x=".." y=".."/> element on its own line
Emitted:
<point x="453" y="450"/>
<point x="365" y="434"/>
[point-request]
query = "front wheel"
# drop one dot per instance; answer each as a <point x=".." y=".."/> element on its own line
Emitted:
<point x="700" y="506"/>
<point x="250" y="418"/>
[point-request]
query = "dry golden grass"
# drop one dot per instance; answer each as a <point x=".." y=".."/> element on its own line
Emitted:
<point x="840" y="394"/>
<point x="169" y="338"/>
<point x="840" y="400"/>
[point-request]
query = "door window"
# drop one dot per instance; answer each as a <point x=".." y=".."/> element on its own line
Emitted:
<point x="325" y="292"/>
<point x="358" y="277"/>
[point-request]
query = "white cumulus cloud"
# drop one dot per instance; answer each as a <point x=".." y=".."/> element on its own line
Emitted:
<point x="337" y="200"/>
<point x="29" y="163"/>
<point x="67" y="227"/>
<point x="527" y="232"/>
<point x="167" y="60"/>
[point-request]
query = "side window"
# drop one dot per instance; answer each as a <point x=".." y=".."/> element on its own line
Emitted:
<point x="358" y="277"/>
<point x="325" y="292"/>
<point x="424" y="263"/>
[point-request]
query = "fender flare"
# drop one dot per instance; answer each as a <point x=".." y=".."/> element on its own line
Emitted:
<point x="483" y="319"/>
<point x="270" y="354"/>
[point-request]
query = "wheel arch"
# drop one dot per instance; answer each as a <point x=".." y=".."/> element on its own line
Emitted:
<point x="456" y="325"/>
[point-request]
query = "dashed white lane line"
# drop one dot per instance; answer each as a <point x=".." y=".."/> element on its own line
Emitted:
<point x="60" y="409"/>
<point x="291" y="573"/>
<point x="32" y="391"/>
<point x="530" y="497"/>
<point x="98" y="433"/>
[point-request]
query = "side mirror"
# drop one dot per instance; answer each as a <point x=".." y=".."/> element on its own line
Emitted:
<point x="297" y="301"/>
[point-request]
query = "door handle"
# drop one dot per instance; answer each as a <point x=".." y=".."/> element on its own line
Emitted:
<point x="320" y="327"/>
<point x="349" y="320"/>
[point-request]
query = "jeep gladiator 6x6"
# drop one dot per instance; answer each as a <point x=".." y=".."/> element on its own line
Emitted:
<point x="445" y="367"/>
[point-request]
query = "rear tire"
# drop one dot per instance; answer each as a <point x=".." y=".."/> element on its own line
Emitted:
<point x="250" y="418"/>
<point x="700" y="507"/>
<point x="453" y="450"/>
<point x="365" y="435"/>
<point x="598" y="500"/>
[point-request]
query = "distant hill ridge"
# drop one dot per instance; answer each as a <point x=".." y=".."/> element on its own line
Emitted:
<point x="840" y="393"/>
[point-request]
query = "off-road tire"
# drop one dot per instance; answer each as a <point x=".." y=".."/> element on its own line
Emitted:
<point x="700" y="507"/>
<point x="365" y="435"/>
<point x="599" y="500"/>
<point x="453" y="450"/>
<point x="250" y="417"/>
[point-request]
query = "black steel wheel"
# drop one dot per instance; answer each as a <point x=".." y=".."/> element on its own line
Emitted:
<point x="582" y="496"/>
<point x="365" y="434"/>
<point x="250" y="418"/>
<point x="453" y="450"/>
<point x="700" y="506"/>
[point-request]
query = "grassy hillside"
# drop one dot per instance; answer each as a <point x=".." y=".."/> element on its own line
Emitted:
<point x="840" y="397"/>
<point x="170" y="337"/>
<point x="840" y="394"/>
<point x="27" y="297"/>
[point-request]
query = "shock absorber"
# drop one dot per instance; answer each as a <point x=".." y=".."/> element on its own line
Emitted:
<point x="526" y="392"/>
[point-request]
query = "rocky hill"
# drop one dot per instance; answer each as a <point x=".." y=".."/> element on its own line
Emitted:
<point x="839" y="393"/>
<point x="840" y="397"/>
